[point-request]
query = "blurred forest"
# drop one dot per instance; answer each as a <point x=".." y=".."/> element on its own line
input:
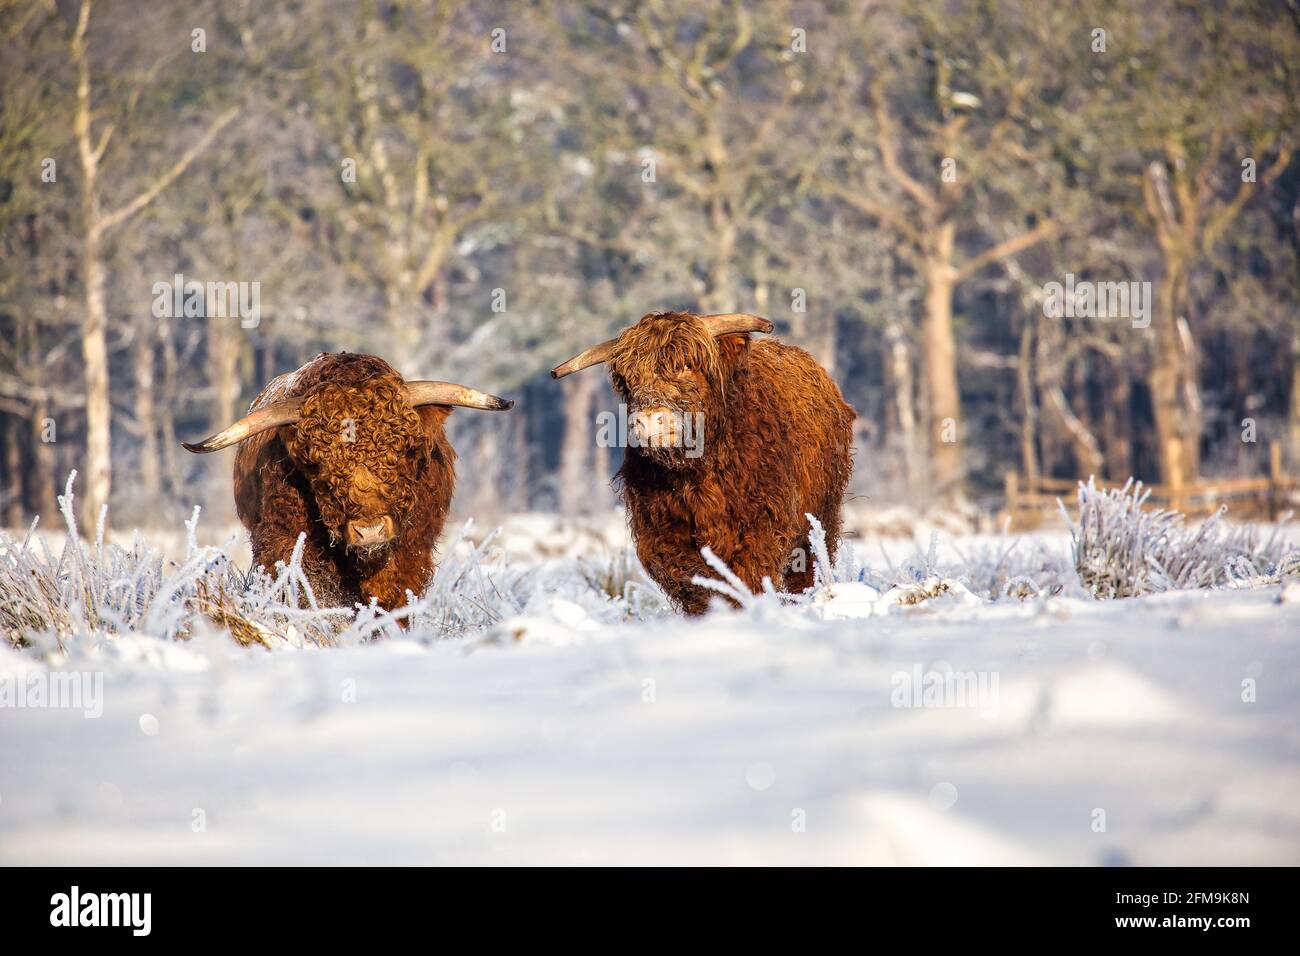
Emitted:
<point x="477" y="190"/>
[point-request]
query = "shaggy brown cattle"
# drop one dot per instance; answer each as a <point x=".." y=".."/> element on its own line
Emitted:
<point x="729" y="446"/>
<point x="346" y="451"/>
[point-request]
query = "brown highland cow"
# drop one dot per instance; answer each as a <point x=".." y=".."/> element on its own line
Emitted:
<point x="729" y="446"/>
<point x="346" y="451"/>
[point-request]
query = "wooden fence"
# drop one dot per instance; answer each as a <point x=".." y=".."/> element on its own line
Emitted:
<point x="1260" y="498"/>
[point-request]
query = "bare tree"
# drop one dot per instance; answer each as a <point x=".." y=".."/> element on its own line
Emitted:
<point x="97" y="225"/>
<point x="967" y="107"/>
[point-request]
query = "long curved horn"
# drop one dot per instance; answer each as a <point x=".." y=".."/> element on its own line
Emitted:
<point x="272" y="416"/>
<point x="725" y="323"/>
<point x="593" y="356"/>
<point x="445" y="393"/>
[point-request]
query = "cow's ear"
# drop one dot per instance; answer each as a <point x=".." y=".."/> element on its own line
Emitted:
<point x="734" y="349"/>
<point x="433" y="415"/>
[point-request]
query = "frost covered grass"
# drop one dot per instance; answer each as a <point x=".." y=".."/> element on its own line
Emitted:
<point x="91" y="590"/>
<point x="547" y="707"/>
<point x="1123" y="549"/>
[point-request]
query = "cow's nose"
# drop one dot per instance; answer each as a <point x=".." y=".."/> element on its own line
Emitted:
<point x="370" y="532"/>
<point x="655" y="426"/>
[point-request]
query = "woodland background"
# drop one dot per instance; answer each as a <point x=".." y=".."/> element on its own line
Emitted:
<point x="501" y="218"/>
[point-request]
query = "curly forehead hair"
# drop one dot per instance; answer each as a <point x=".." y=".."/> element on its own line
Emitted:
<point x="344" y="426"/>
<point x="665" y="341"/>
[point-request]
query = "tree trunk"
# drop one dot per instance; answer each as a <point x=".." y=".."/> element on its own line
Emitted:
<point x="827" y="345"/>
<point x="1191" y="376"/>
<point x="224" y="347"/>
<point x="171" y="468"/>
<point x="146" y="415"/>
<point x="224" y="343"/>
<point x="939" y="354"/>
<point x="1088" y="459"/>
<point x="44" y="480"/>
<point x="1165" y="380"/>
<point x="225" y="375"/>
<point x="1115" y="424"/>
<point x="489" y="471"/>
<point x="1293" y="409"/>
<point x="575" y="454"/>
<point x="403" y="327"/>
<point x="601" y="470"/>
<point x="1082" y="443"/>
<point x="722" y="223"/>
<point x="719" y="297"/>
<point x="12" y="492"/>
<point x="266" y="357"/>
<point x="902" y="397"/>
<point x="520" y="459"/>
<point x="96" y="479"/>
<point x="1174" y="374"/>
<point x="1028" y="405"/>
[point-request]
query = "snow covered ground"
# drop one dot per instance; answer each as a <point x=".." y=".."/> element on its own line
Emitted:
<point x="938" y="722"/>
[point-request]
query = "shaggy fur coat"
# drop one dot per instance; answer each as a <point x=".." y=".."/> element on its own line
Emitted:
<point x="358" y="450"/>
<point x="776" y="446"/>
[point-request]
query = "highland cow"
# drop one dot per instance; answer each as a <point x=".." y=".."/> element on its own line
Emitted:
<point x="346" y="451"/>
<point x="730" y="446"/>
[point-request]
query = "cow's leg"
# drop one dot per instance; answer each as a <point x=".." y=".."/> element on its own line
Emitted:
<point x="800" y="564"/>
<point x="759" y="556"/>
<point x="804" y="569"/>
<point x="408" y="568"/>
<point x="671" y="564"/>
<point x="752" y="552"/>
<point x="284" y="516"/>
<point x="407" y="564"/>
<point x="832" y="518"/>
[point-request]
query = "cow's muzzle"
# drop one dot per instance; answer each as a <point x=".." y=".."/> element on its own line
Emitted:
<point x="370" y="532"/>
<point x="657" y="427"/>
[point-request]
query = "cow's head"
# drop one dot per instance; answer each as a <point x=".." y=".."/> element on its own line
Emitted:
<point x="362" y="448"/>
<point x="673" y="372"/>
